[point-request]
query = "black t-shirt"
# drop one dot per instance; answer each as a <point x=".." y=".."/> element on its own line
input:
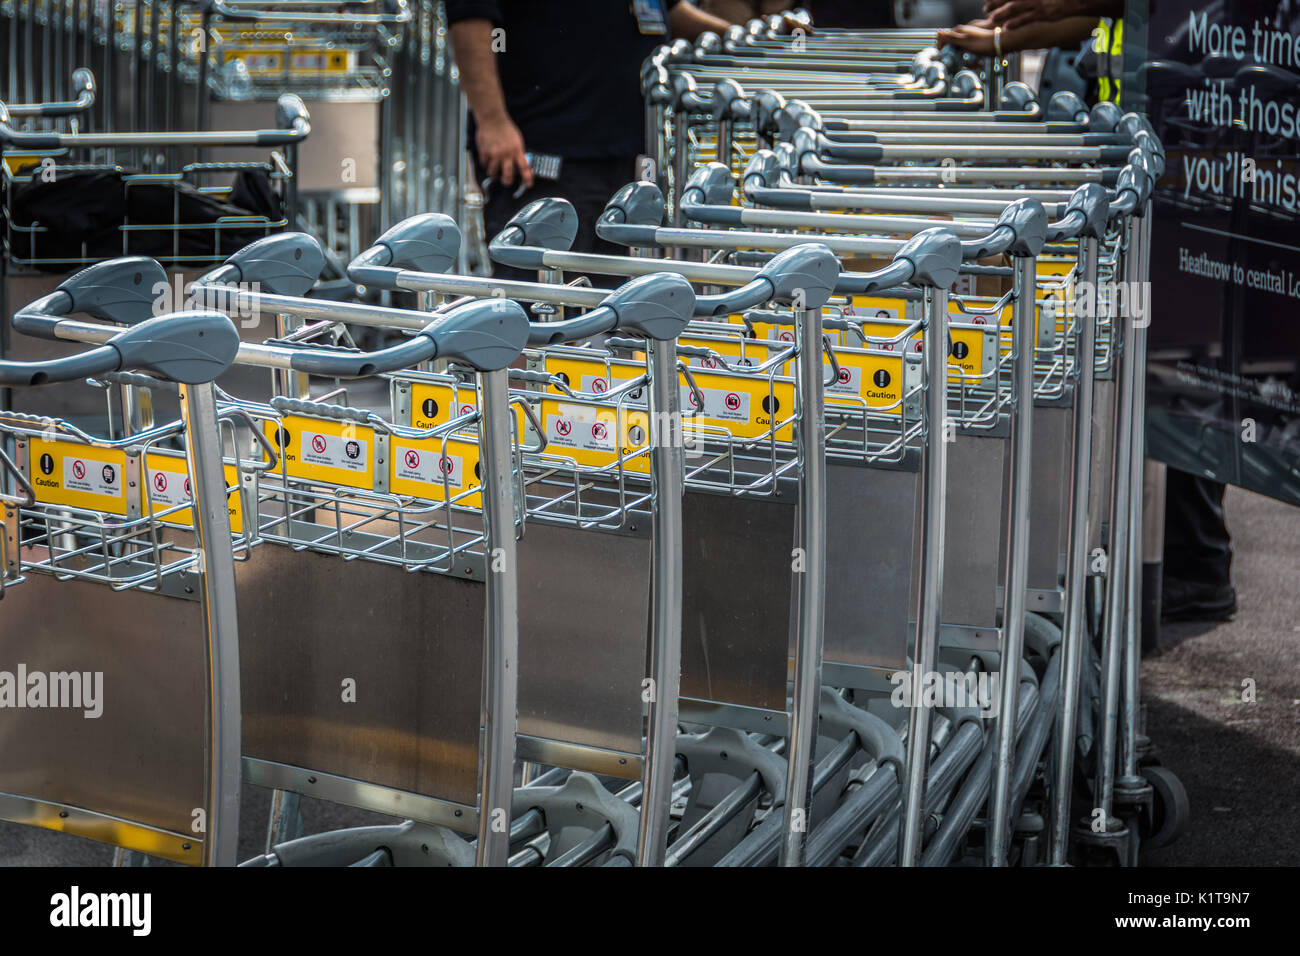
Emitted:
<point x="571" y="72"/>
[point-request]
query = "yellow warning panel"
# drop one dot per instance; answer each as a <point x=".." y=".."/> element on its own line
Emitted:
<point x="1045" y="334"/>
<point x="596" y="376"/>
<point x="263" y="60"/>
<point x="738" y="350"/>
<point x="433" y="404"/>
<point x="875" y="307"/>
<point x="436" y="469"/>
<point x="887" y="334"/>
<point x="79" y="476"/>
<point x="166" y="484"/>
<point x="867" y="377"/>
<point x="327" y="452"/>
<point x="974" y="347"/>
<point x="1054" y="268"/>
<point x="772" y="332"/>
<point x="747" y="406"/>
<point x="596" y="436"/>
<point x="740" y="403"/>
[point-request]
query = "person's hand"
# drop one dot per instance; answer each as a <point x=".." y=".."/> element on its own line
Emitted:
<point x="791" y="23"/>
<point x="972" y="37"/>
<point x="501" y="151"/>
<point x="1009" y="14"/>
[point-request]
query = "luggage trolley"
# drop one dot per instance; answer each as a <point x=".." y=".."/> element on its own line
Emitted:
<point x="341" y="524"/>
<point x="156" y="769"/>
<point x="520" y="246"/>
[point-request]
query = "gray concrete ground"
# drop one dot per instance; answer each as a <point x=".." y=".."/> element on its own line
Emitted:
<point x="1240" y="761"/>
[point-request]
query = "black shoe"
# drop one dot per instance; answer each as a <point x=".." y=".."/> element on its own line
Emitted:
<point x="1196" y="601"/>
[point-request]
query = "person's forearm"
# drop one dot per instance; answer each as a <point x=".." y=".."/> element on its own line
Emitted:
<point x="688" y="21"/>
<point x="471" y="44"/>
<point x="1041" y="36"/>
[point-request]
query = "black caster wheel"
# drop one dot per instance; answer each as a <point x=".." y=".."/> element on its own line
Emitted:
<point x="1170" y="809"/>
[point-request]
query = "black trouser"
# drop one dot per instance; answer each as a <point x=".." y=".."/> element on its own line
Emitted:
<point x="587" y="183"/>
<point x="1197" y="545"/>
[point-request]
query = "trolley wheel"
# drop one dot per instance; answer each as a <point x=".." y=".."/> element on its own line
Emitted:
<point x="1170" y="811"/>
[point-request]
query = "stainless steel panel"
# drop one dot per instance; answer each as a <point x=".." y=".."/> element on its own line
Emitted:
<point x="142" y="760"/>
<point x="413" y="644"/>
<point x="871" y="529"/>
<point x="1103" y="439"/>
<point x="340" y="131"/>
<point x="584" y="613"/>
<point x="1049" y="494"/>
<point x="736" y="618"/>
<point x="973" y="530"/>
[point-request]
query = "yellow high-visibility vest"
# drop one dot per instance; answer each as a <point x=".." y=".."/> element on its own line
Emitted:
<point x="1108" y="48"/>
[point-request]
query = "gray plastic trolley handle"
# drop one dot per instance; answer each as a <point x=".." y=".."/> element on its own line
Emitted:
<point x="288" y="263"/>
<point x="187" y="347"/>
<point x="124" y="291"/>
<point x="426" y="243"/>
<point x="541" y="225"/>
<point x="486" y="335"/>
<point x="657" y="306"/>
<point x="931" y="258"/>
<point x="83" y="81"/>
<point x="1021" y="230"/>
<point x="1085" y="215"/>
<point x="803" y="276"/>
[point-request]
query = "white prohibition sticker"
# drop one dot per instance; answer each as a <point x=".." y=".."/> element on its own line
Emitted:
<point x="334" y="451"/>
<point x="585" y="432"/>
<point x="92" y="477"/>
<point x="414" y="464"/>
<point x="600" y="384"/>
<point x="849" y="381"/>
<point x="719" y="403"/>
<point x="169" y="488"/>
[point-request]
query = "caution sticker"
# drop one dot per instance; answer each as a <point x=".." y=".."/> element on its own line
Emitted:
<point x="337" y="453"/>
<point x="737" y="350"/>
<point x="78" y="476"/>
<point x="433" y="405"/>
<point x="747" y="406"/>
<point x="1045" y="332"/>
<point x="167" y="484"/>
<point x="974" y="344"/>
<point x="738" y="402"/>
<point x="435" y="469"/>
<point x="886" y="334"/>
<point x="595" y="436"/>
<point x="1055" y="268"/>
<point x="874" y="307"/>
<point x="867" y="377"/>
<point x="261" y="61"/>
<point x="597" y="377"/>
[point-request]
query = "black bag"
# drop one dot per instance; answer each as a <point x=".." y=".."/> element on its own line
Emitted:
<point x="83" y="213"/>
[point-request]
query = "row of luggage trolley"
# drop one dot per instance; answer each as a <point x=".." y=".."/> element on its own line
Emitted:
<point x="694" y="556"/>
